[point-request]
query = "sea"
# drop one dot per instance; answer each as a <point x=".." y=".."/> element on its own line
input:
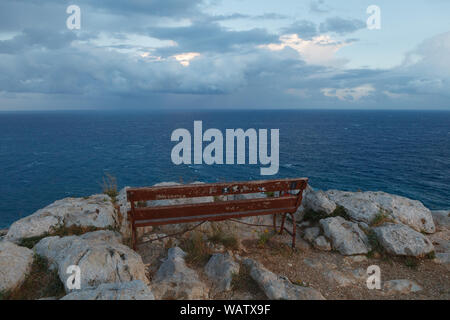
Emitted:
<point x="50" y="155"/>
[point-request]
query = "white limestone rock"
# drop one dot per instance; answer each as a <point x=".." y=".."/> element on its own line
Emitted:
<point x="442" y="219"/>
<point x="310" y="234"/>
<point x="174" y="280"/>
<point x="321" y="243"/>
<point x="346" y="236"/>
<point x="133" y="290"/>
<point x="100" y="256"/>
<point x="365" y="206"/>
<point x="15" y="264"/>
<point x="317" y="200"/>
<point x="220" y="269"/>
<point x="402" y="286"/>
<point x="398" y="239"/>
<point x="277" y="287"/>
<point x="94" y="211"/>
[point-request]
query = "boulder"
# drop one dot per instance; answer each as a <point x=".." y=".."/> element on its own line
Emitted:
<point x="277" y="287"/>
<point x="15" y="264"/>
<point x="94" y="211"/>
<point x="346" y="236"/>
<point x="175" y="281"/>
<point x="339" y="278"/>
<point x="310" y="234"/>
<point x="442" y="218"/>
<point x="100" y="256"/>
<point x="317" y="200"/>
<point x="400" y="287"/>
<point x="355" y="260"/>
<point x="442" y="258"/>
<point x="398" y="239"/>
<point x="366" y="206"/>
<point x="220" y="269"/>
<point x="133" y="290"/>
<point x="321" y="243"/>
<point x="124" y="206"/>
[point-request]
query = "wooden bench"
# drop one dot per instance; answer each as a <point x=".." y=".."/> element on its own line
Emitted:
<point x="283" y="197"/>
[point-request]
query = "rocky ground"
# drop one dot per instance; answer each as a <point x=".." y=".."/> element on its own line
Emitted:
<point x="340" y="234"/>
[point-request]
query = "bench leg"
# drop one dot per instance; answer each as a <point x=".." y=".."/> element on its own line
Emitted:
<point x="282" y="223"/>
<point x="294" y="230"/>
<point x="133" y="236"/>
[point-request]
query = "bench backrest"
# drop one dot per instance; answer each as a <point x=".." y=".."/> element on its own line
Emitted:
<point x="286" y="196"/>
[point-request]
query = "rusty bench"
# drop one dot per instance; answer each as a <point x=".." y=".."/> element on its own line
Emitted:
<point x="285" y="196"/>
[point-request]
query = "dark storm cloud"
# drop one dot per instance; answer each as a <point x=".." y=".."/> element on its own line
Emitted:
<point x="206" y="36"/>
<point x="29" y="38"/>
<point x="42" y="63"/>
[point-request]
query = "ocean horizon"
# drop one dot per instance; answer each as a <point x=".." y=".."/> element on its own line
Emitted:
<point x="50" y="155"/>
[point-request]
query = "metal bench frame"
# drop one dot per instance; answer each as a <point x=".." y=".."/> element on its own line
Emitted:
<point x="284" y="201"/>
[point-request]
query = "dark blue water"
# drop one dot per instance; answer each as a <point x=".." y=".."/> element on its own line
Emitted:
<point x="45" y="156"/>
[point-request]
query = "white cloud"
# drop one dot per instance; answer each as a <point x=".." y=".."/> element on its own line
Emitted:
<point x="185" y="58"/>
<point x="349" y="94"/>
<point x="319" y="50"/>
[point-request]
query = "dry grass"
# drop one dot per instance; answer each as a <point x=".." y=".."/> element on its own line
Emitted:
<point x="380" y="219"/>
<point x="41" y="282"/>
<point x="61" y="231"/>
<point x="218" y="236"/>
<point x="109" y="186"/>
<point x="198" y="252"/>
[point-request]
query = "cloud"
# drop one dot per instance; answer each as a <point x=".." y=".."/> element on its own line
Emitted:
<point x="185" y="58"/>
<point x="155" y="53"/>
<point x="207" y="36"/>
<point x="319" y="50"/>
<point x="349" y="94"/>
<point x="304" y="29"/>
<point x="318" y="6"/>
<point x="341" y="25"/>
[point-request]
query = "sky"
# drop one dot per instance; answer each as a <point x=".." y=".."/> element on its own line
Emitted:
<point x="224" y="54"/>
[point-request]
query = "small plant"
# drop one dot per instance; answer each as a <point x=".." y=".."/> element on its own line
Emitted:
<point x="198" y="253"/>
<point x="41" y="282"/>
<point x="316" y="216"/>
<point x="32" y="241"/>
<point x="218" y="236"/>
<point x="300" y="283"/>
<point x="264" y="237"/>
<point x="431" y="255"/>
<point x="110" y="187"/>
<point x="381" y="218"/>
<point x="412" y="262"/>
<point x="340" y="212"/>
<point x="375" y="244"/>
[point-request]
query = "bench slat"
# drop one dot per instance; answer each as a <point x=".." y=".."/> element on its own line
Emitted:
<point x="214" y="189"/>
<point x="287" y="203"/>
<point x="212" y="217"/>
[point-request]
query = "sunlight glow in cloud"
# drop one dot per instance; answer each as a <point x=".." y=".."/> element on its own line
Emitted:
<point x="185" y="58"/>
<point x="319" y="50"/>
